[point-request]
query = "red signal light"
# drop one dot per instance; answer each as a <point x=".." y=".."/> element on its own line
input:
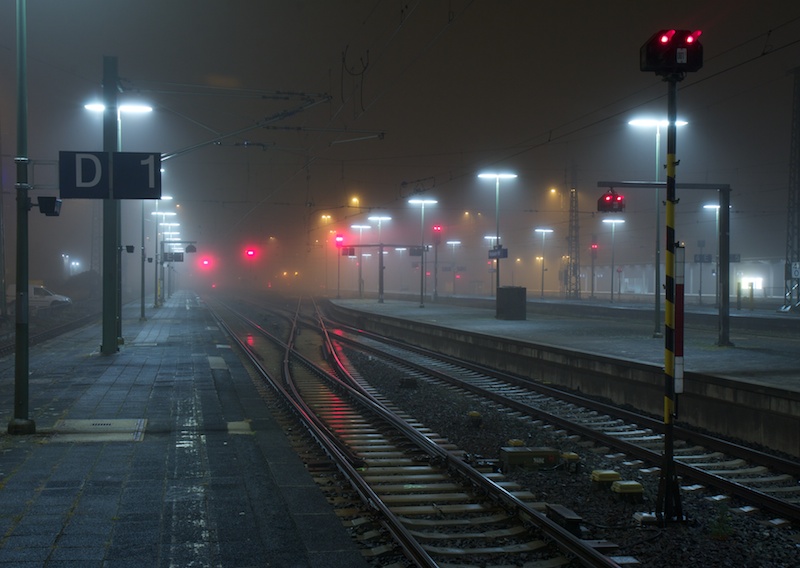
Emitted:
<point x="339" y="240"/>
<point x="611" y="201"/>
<point x="250" y="253"/>
<point x="666" y="37"/>
<point x="693" y="37"/>
<point x="437" y="234"/>
<point x="672" y="51"/>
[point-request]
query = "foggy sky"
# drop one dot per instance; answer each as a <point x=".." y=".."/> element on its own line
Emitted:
<point x="543" y="89"/>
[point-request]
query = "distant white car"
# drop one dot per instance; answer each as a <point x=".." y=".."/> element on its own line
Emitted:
<point x="38" y="297"/>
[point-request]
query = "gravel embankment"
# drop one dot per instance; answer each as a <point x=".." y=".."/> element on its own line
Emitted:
<point x="712" y="537"/>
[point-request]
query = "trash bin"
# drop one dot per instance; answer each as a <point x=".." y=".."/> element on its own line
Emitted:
<point x="511" y="303"/>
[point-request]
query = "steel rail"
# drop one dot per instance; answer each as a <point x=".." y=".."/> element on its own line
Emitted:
<point x="763" y="500"/>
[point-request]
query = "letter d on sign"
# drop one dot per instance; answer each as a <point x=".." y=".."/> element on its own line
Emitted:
<point x="84" y="175"/>
<point x="80" y="180"/>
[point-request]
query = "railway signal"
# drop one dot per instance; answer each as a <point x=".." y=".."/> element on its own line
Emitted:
<point x="437" y="234"/>
<point x="611" y="202"/>
<point x="671" y="54"/>
<point x="672" y="51"/>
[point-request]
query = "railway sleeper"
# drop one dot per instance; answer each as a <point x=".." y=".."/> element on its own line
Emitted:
<point x="720" y="464"/>
<point x="565" y="517"/>
<point x="495" y="533"/>
<point x="457" y="521"/>
<point x="510" y="549"/>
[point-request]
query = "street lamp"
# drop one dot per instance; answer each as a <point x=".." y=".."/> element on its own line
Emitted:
<point x="650" y="123"/>
<point x="112" y="265"/>
<point x="453" y="245"/>
<point x="613" y="223"/>
<point x="497" y="177"/>
<point x="144" y="257"/>
<point x="715" y="207"/>
<point x="360" y="257"/>
<point x="380" y="219"/>
<point x="156" y="257"/>
<point x="543" y="232"/>
<point x="422" y="203"/>
<point x="492" y="265"/>
<point x="161" y="263"/>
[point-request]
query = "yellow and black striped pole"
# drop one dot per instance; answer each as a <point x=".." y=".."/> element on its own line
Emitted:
<point x="668" y="506"/>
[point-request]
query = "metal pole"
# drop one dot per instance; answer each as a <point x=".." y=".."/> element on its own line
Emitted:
<point x="360" y="266"/>
<point x="668" y="505"/>
<point x="156" y="258"/>
<point x="161" y="275"/>
<point x="435" y="271"/>
<point x="542" y="292"/>
<point x="497" y="234"/>
<point x="380" y="269"/>
<point x="422" y="257"/>
<point x="613" y="233"/>
<point x="110" y="337"/>
<point x="21" y="422"/>
<point x="594" y="254"/>
<point x="723" y="265"/>
<point x="4" y="304"/>
<point x="144" y="260"/>
<point x="657" y="284"/>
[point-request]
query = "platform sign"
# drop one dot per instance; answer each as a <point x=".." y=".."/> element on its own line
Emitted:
<point x="92" y="175"/>
<point x="84" y="175"/>
<point x="498" y="253"/>
<point x="137" y="175"/>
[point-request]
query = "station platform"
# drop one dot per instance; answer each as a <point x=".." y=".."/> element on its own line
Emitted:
<point x="161" y="455"/>
<point x="765" y="350"/>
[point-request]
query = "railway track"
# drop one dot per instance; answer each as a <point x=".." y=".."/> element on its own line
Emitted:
<point x="412" y="484"/>
<point x="760" y="479"/>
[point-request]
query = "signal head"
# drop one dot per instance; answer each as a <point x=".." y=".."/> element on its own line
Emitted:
<point x="670" y="52"/>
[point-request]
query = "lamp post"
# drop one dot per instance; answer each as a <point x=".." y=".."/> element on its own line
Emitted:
<point x="360" y="257"/>
<point x="613" y="223"/>
<point x="162" y="263"/>
<point x="715" y="207"/>
<point x="380" y="219"/>
<point x="422" y="203"/>
<point x="144" y="257"/>
<point x="650" y="123"/>
<point x="339" y="240"/>
<point x="497" y="177"/>
<point x="156" y="256"/>
<point x="453" y="245"/>
<point x="544" y="233"/>
<point x="492" y="240"/>
<point x="120" y="110"/>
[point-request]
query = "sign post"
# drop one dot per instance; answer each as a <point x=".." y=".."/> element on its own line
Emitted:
<point x="110" y="175"/>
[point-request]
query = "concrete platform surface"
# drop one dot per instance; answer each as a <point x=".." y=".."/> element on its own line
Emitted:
<point x="162" y="455"/>
<point x="761" y="353"/>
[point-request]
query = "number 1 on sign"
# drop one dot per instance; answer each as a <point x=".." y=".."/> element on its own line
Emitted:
<point x="150" y="162"/>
